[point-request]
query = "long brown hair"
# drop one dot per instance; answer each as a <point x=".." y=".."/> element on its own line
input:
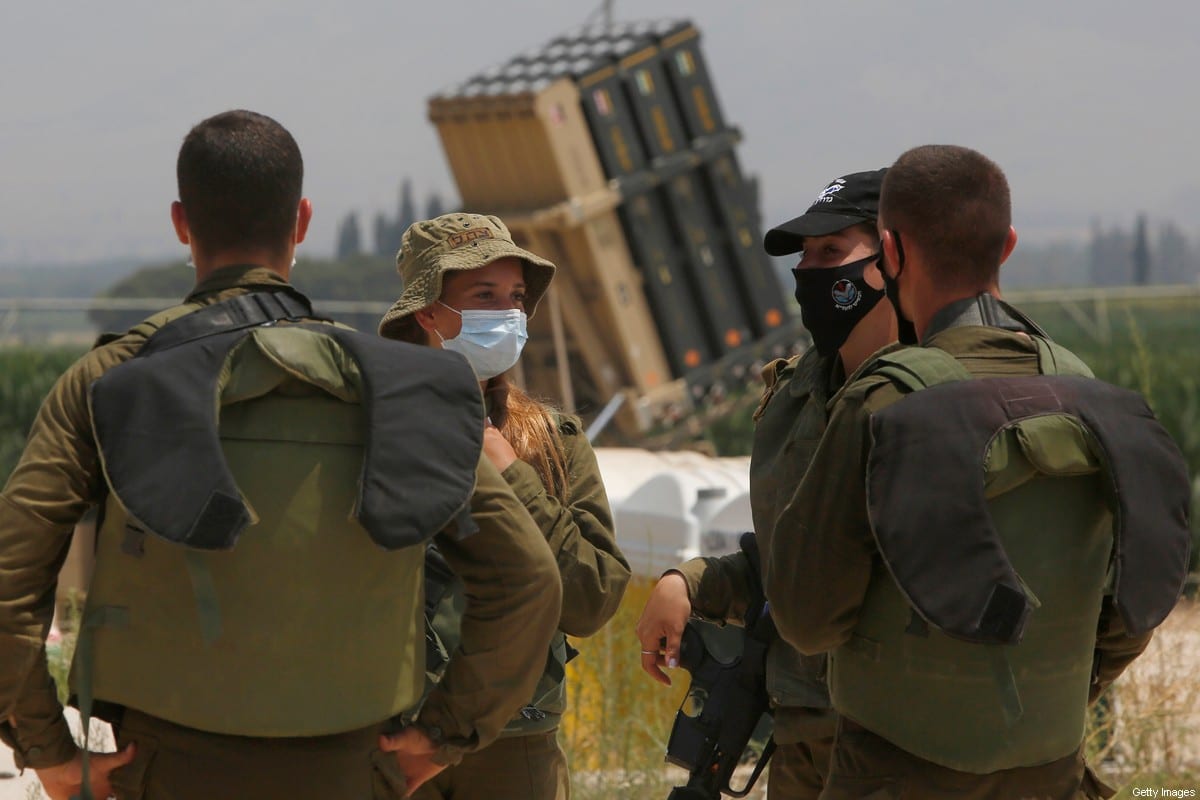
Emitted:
<point x="531" y="427"/>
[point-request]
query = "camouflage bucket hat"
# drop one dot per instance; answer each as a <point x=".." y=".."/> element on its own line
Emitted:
<point x="458" y="241"/>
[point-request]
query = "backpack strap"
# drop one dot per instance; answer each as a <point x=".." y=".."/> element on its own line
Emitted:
<point x="149" y="326"/>
<point x="192" y="321"/>
<point x="1054" y="359"/>
<point x="916" y="368"/>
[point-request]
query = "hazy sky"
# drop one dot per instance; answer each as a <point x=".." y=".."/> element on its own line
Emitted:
<point x="1091" y="107"/>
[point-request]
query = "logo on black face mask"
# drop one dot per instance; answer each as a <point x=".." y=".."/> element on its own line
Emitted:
<point x="833" y="300"/>
<point x="845" y="294"/>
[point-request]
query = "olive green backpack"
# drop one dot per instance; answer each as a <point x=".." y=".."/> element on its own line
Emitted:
<point x="259" y="565"/>
<point x="1005" y="510"/>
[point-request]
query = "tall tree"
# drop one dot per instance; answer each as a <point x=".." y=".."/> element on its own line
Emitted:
<point x="1111" y="252"/>
<point x="349" y="237"/>
<point x="434" y="206"/>
<point x="1141" y="253"/>
<point x="408" y="209"/>
<point x="1177" y="262"/>
<point x="384" y="240"/>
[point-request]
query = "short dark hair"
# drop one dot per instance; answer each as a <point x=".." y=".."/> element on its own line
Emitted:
<point x="240" y="176"/>
<point x="954" y="203"/>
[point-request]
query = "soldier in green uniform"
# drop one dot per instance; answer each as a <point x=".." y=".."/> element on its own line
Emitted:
<point x="468" y="288"/>
<point x="965" y="589"/>
<point x="272" y="731"/>
<point x="839" y="289"/>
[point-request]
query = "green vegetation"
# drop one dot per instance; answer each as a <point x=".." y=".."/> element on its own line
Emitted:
<point x="615" y="731"/>
<point x="25" y="378"/>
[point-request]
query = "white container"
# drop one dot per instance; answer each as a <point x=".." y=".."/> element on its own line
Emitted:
<point x="672" y="506"/>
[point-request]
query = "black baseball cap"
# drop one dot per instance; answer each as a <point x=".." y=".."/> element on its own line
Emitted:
<point x="846" y="201"/>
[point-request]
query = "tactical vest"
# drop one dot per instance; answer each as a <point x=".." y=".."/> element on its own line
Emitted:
<point x="788" y="425"/>
<point x="271" y="489"/>
<point x="1004" y="510"/>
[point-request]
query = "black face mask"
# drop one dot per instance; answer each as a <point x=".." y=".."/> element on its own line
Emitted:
<point x="833" y="300"/>
<point x="906" y="331"/>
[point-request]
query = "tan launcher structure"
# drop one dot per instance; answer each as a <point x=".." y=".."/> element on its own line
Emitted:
<point x="606" y="151"/>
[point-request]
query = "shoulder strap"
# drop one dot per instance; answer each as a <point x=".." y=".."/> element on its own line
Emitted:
<point x="236" y="313"/>
<point x="243" y="311"/>
<point x="149" y="326"/>
<point x="916" y="368"/>
<point x="1054" y="359"/>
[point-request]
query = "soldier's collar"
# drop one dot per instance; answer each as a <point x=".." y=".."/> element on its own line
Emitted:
<point x="983" y="309"/>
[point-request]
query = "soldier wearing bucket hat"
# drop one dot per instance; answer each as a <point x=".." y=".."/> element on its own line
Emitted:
<point x="454" y="243"/>
<point x="839" y="288"/>
<point x="468" y="288"/>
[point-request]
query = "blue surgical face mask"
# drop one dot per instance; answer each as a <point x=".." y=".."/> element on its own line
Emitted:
<point x="491" y="341"/>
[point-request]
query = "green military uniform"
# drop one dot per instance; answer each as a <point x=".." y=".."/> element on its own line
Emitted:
<point x="506" y="564"/>
<point x="823" y="565"/>
<point x="526" y="763"/>
<point x="788" y="424"/>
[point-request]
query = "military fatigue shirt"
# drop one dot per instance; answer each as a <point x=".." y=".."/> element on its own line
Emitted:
<point x="594" y="571"/>
<point x="515" y="587"/>
<point x="580" y="533"/>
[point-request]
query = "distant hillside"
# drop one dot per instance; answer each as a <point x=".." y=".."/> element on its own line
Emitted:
<point x="361" y="277"/>
<point x="62" y="281"/>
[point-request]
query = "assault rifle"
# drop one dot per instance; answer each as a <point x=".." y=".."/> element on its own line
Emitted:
<point x="725" y="703"/>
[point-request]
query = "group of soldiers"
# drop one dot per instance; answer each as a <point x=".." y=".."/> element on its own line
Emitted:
<point x="332" y="564"/>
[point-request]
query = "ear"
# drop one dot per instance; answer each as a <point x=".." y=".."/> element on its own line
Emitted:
<point x="179" y="220"/>
<point x="887" y="243"/>
<point x="303" y="216"/>
<point x="425" y="318"/>
<point x="1010" y="242"/>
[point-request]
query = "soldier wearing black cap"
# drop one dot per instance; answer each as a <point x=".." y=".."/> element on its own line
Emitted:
<point x="838" y="287"/>
<point x="964" y="545"/>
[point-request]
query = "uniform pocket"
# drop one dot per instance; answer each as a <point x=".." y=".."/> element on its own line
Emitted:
<point x="845" y="788"/>
<point x="128" y="782"/>
<point x="387" y="781"/>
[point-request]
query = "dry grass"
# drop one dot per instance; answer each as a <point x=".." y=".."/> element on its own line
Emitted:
<point x="1152" y="736"/>
<point x="615" y="731"/>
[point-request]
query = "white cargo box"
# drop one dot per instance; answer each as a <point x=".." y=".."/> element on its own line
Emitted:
<point x="672" y="506"/>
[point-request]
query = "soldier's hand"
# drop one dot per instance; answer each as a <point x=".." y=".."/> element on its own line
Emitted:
<point x="414" y="754"/>
<point x="661" y="625"/>
<point x="64" y="781"/>
<point x="497" y="448"/>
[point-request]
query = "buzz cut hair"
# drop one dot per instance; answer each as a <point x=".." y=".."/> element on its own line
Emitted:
<point x="954" y="203"/>
<point x="240" y="177"/>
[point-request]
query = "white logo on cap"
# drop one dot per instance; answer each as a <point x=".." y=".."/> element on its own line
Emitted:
<point x="827" y="194"/>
